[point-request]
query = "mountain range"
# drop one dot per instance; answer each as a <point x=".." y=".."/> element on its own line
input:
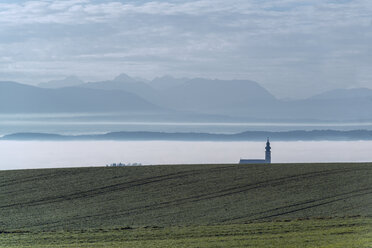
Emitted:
<point x="296" y="135"/>
<point x="20" y="98"/>
<point x="228" y="99"/>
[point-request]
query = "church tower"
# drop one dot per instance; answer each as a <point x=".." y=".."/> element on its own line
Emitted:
<point x="268" y="152"/>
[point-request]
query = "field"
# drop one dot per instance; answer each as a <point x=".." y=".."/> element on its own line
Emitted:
<point x="288" y="205"/>
<point x="349" y="232"/>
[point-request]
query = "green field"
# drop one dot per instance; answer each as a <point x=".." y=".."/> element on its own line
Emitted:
<point x="288" y="205"/>
<point x="349" y="232"/>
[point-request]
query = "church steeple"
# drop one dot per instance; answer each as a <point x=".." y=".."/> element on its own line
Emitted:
<point x="268" y="152"/>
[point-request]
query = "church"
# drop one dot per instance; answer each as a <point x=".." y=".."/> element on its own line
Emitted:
<point x="267" y="159"/>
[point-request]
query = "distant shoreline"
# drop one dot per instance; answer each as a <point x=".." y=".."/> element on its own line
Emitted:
<point x="297" y="135"/>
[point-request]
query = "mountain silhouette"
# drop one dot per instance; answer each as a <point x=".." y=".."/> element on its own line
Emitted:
<point x="187" y="99"/>
<point x="19" y="98"/>
<point x="69" y="81"/>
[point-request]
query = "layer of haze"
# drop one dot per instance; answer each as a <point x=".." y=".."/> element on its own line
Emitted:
<point x="293" y="48"/>
<point x="36" y="154"/>
<point x="95" y="127"/>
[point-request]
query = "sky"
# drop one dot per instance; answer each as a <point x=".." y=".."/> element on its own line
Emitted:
<point x="293" y="48"/>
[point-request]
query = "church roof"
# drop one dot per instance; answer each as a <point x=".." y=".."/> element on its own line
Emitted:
<point x="252" y="161"/>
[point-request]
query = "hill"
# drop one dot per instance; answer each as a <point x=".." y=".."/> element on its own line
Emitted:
<point x="243" y="99"/>
<point x="181" y="195"/>
<point x="340" y="104"/>
<point x="228" y="97"/>
<point x="124" y="83"/>
<point x="199" y="95"/>
<point x="20" y="98"/>
<point x="69" y="81"/>
<point x="345" y="94"/>
<point x="244" y="136"/>
<point x="185" y="100"/>
<point x="166" y="82"/>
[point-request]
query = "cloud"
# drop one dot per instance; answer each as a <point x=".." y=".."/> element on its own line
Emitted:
<point x="306" y="46"/>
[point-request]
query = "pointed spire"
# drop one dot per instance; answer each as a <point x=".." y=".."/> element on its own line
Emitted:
<point x="268" y="144"/>
<point x="268" y="152"/>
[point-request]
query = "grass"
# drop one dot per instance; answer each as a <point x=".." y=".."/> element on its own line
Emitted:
<point x="331" y="233"/>
<point x="189" y="206"/>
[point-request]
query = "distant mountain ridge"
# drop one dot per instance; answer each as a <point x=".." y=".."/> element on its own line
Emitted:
<point x="166" y="82"/>
<point x="123" y="83"/>
<point x="19" y="98"/>
<point x="228" y="99"/>
<point x="218" y="96"/>
<point x="345" y="93"/>
<point x="223" y="97"/>
<point x="314" y="135"/>
<point x="69" y="81"/>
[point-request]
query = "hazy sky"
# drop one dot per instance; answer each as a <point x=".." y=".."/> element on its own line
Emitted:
<point x="292" y="47"/>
